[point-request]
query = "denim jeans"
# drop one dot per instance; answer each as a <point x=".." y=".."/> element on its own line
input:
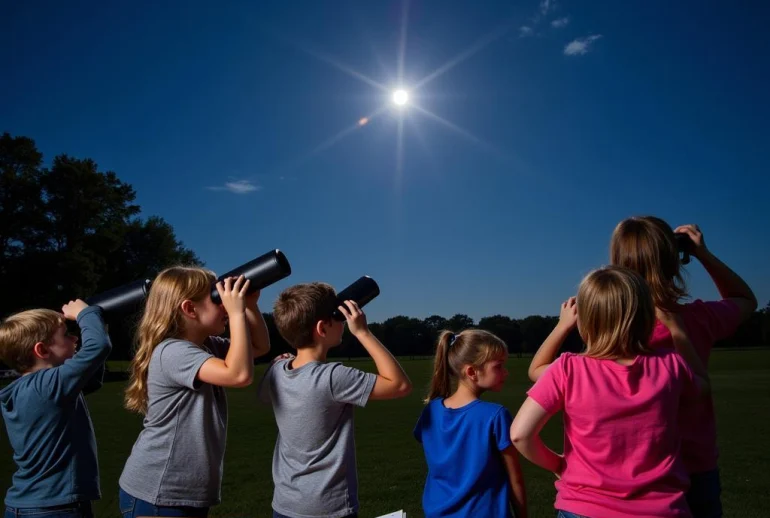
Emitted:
<point x="704" y="496"/>
<point x="567" y="514"/>
<point x="131" y="507"/>
<point x="73" y="510"/>
<point x="276" y="514"/>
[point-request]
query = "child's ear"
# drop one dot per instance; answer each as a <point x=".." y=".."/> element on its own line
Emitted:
<point x="40" y="350"/>
<point x="320" y="328"/>
<point x="188" y="309"/>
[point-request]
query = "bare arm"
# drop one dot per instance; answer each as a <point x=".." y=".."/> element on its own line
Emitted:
<point x="237" y="369"/>
<point x="516" y="479"/>
<point x="392" y="382"/>
<point x="547" y="352"/>
<point x="525" y="435"/>
<point x="260" y="337"/>
<point x="683" y="346"/>
<point x="730" y="285"/>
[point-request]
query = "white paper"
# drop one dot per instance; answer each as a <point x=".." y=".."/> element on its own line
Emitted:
<point x="397" y="514"/>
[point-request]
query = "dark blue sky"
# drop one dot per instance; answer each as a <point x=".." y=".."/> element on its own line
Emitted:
<point x="562" y="128"/>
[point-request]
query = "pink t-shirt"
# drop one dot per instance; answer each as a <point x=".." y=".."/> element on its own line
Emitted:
<point x="621" y="438"/>
<point x="705" y="323"/>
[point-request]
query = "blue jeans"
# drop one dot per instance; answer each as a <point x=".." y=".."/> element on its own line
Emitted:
<point x="567" y="514"/>
<point x="131" y="507"/>
<point x="73" y="510"/>
<point x="276" y="514"/>
<point x="704" y="496"/>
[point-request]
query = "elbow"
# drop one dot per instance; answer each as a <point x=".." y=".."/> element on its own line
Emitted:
<point x="403" y="389"/>
<point x="534" y="373"/>
<point x="518" y="437"/>
<point x="244" y="380"/>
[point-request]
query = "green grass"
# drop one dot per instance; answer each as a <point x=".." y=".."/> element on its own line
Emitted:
<point x="391" y="468"/>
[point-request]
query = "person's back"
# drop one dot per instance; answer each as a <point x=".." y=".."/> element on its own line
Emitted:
<point x="314" y="462"/>
<point x="621" y="440"/>
<point x="46" y="416"/>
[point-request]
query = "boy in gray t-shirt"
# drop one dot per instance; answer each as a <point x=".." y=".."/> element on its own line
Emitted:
<point x="314" y="462"/>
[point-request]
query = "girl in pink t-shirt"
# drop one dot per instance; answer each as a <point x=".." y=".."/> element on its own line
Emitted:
<point x="650" y="247"/>
<point x="621" y="400"/>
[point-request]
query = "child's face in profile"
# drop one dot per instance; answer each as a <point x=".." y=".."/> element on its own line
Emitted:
<point x="492" y="374"/>
<point x="212" y="316"/>
<point x="335" y="330"/>
<point x="61" y="347"/>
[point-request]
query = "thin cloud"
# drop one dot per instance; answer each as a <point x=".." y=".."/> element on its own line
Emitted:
<point x="560" y="22"/>
<point x="580" y="46"/>
<point x="237" y="187"/>
<point x="546" y="6"/>
<point x="525" y="31"/>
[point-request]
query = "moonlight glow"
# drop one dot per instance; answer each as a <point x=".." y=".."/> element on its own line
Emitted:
<point x="400" y="97"/>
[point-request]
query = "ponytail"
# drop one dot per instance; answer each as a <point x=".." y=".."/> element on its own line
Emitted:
<point x="441" y="382"/>
<point x="453" y="351"/>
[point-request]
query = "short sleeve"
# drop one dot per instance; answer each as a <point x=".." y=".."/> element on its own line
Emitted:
<point x="349" y="385"/>
<point x="722" y="316"/>
<point x="180" y="362"/>
<point x="686" y="377"/>
<point x="422" y="422"/>
<point x="501" y="429"/>
<point x="548" y="391"/>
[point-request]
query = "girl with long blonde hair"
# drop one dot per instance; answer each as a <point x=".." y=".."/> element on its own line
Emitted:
<point x="178" y="376"/>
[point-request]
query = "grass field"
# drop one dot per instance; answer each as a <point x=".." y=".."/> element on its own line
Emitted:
<point x="391" y="468"/>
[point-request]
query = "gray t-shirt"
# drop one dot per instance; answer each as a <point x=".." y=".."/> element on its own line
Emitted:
<point x="314" y="462"/>
<point x="178" y="458"/>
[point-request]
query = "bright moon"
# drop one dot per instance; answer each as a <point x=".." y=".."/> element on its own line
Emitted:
<point x="400" y="97"/>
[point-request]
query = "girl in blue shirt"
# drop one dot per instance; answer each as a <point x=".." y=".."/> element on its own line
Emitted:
<point x="473" y="468"/>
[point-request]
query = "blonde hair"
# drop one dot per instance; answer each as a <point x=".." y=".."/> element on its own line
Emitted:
<point x="299" y="308"/>
<point x="648" y="246"/>
<point x="616" y="314"/>
<point x="20" y="332"/>
<point x="163" y="318"/>
<point x="470" y="347"/>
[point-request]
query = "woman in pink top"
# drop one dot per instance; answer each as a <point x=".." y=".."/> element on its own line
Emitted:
<point x="650" y="247"/>
<point x="621" y="400"/>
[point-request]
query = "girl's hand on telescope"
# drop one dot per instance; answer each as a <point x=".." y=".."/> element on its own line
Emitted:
<point x="696" y="236"/>
<point x="252" y="299"/>
<point x="233" y="294"/>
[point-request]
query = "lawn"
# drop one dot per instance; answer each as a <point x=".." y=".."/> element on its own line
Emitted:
<point x="391" y="468"/>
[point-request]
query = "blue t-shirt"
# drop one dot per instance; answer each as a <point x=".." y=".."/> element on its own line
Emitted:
<point x="49" y="427"/>
<point x="466" y="473"/>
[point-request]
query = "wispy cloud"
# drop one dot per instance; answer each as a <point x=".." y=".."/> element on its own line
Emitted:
<point x="560" y="22"/>
<point x="546" y="6"/>
<point x="580" y="46"/>
<point x="237" y="187"/>
<point x="525" y="31"/>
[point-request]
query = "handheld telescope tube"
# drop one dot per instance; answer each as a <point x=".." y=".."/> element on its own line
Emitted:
<point x="262" y="272"/>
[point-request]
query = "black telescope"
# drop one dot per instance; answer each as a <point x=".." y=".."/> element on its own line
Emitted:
<point x="262" y="272"/>
<point x="363" y="291"/>
<point x="123" y="298"/>
<point x="685" y="246"/>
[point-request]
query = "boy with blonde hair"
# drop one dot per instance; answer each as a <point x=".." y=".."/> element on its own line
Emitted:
<point x="45" y="413"/>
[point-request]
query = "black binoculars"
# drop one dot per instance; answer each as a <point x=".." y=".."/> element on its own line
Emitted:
<point x="262" y="272"/>
<point x="685" y="245"/>
<point x="363" y="291"/>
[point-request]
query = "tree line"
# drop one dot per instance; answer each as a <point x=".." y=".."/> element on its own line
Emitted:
<point x="68" y="228"/>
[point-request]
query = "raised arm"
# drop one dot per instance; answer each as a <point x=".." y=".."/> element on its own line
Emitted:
<point x="237" y="369"/>
<point x="260" y="337"/>
<point x="730" y="285"/>
<point x="392" y="382"/>
<point x="71" y="378"/>
<point x="547" y="352"/>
